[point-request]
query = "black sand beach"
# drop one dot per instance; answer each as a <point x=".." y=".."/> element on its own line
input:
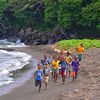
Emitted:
<point x="87" y="83"/>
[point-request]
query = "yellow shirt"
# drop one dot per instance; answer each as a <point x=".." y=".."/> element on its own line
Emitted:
<point x="80" y="50"/>
<point x="68" y="59"/>
<point x="55" y="64"/>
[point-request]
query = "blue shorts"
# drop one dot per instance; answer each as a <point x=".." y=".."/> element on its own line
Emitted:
<point x="63" y="69"/>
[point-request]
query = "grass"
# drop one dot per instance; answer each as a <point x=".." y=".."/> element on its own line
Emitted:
<point x="73" y="43"/>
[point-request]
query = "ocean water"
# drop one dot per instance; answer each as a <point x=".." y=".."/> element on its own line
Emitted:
<point x="22" y="77"/>
<point x="11" y="61"/>
<point x="5" y="43"/>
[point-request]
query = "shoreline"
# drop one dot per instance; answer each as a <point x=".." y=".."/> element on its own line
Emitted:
<point x="27" y="71"/>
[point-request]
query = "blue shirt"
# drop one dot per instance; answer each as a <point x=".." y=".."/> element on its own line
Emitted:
<point x="63" y="65"/>
<point x="75" y="64"/>
<point x="46" y="72"/>
<point x="45" y="61"/>
<point x="39" y="74"/>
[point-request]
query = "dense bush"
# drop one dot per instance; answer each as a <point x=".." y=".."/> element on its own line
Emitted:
<point x="73" y="43"/>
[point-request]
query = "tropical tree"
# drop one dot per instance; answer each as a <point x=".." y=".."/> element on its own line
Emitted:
<point x="90" y="19"/>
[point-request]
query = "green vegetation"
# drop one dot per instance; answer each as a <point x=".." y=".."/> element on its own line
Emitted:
<point x="78" y="16"/>
<point x="81" y="16"/>
<point x="69" y="44"/>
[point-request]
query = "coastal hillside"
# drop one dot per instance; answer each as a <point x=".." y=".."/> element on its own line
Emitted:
<point x="48" y="21"/>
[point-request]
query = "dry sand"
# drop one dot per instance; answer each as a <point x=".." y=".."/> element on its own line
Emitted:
<point x="87" y="84"/>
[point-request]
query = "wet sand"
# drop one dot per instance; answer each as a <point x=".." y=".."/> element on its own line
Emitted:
<point x="88" y="82"/>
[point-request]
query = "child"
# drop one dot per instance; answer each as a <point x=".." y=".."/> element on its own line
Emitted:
<point x="75" y="65"/>
<point x="63" y="66"/>
<point x="69" y="60"/>
<point x="44" y="61"/>
<point x="80" y="52"/>
<point x="55" y="65"/>
<point x="46" y="72"/>
<point x="38" y="77"/>
<point x="61" y="55"/>
<point x="51" y="66"/>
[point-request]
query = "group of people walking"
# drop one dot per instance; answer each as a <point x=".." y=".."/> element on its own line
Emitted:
<point x="61" y="64"/>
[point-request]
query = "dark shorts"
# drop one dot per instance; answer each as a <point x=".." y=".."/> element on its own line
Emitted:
<point x="63" y="71"/>
<point x="75" y="70"/>
<point x="38" y="82"/>
<point x="79" y="57"/>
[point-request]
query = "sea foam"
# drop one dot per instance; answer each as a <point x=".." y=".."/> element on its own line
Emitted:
<point x="11" y="61"/>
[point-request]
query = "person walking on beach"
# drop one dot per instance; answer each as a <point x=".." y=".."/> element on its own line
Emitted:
<point x="51" y="66"/>
<point x="63" y="65"/>
<point x="38" y="77"/>
<point x="55" y="65"/>
<point x="45" y="60"/>
<point x="46" y="73"/>
<point x="75" y="66"/>
<point x="61" y="55"/>
<point x="68" y="60"/>
<point x="80" y="51"/>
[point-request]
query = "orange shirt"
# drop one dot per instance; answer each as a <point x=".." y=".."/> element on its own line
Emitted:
<point x="80" y="50"/>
